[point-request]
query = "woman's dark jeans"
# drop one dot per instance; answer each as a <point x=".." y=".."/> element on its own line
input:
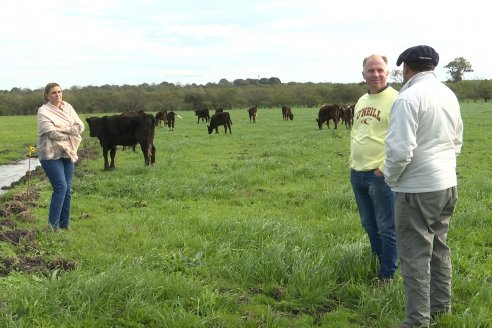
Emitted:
<point x="59" y="172"/>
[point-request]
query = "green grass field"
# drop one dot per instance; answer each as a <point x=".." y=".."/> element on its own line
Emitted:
<point x="254" y="229"/>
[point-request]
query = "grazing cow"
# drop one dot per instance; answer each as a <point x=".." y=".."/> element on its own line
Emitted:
<point x="327" y="113"/>
<point x="342" y="115"/>
<point x="171" y="119"/>
<point x="287" y="113"/>
<point x="218" y="119"/>
<point x="252" y="114"/>
<point x="202" y="113"/>
<point x="347" y="115"/>
<point x="124" y="131"/>
<point x="161" y="117"/>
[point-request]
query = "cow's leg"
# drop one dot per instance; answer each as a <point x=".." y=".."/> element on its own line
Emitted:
<point x="145" y="151"/>
<point x="152" y="154"/>
<point x="112" y="154"/>
<point x="105" y="156"/>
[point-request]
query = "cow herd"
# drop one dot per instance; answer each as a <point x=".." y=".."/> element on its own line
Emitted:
<point x="336" y="113"/>
<point x="137" y="127"/>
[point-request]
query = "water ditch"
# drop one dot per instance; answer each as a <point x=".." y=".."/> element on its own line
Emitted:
<point x="10" y="173"/>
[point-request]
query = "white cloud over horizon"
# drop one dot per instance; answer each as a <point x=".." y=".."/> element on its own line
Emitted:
<point x="80" y="43"/>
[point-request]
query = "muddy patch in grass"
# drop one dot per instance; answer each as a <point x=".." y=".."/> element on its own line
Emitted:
<point x="15" y="236"/>
<point x="33" y="265"/>
<point x="15" y="213"/>
<point x="8" y="224"/>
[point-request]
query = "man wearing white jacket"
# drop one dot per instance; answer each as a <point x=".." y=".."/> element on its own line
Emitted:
<point x="424" y="138"/>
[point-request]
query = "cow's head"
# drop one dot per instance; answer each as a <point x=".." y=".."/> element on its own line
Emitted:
<point x="94" y="125"/>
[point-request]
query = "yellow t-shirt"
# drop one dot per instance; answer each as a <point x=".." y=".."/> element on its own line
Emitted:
<point x="371" y="118"/>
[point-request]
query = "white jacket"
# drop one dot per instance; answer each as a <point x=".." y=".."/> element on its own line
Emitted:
<point x="424" y="137"/>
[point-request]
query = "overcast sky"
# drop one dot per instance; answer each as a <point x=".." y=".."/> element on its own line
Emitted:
<point x="116" y="42"/>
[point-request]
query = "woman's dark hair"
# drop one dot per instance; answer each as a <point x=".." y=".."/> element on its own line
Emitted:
<point x="47" y="89"/>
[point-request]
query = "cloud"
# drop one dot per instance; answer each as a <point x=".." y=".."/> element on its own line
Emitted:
<point x="125" y="42"/>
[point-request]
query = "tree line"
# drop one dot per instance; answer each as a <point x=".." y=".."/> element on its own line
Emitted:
<point x="263" y="93"/>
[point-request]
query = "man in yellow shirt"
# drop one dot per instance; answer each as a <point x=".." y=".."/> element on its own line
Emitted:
<point x="374" y="198"/>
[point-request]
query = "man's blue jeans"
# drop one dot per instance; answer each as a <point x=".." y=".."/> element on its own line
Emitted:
<point x="375" y="202"/>
<point x="59" y="172"/>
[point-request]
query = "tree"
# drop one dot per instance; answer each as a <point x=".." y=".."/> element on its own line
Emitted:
<point x="195" y="97"/>
<point x="485" y="90"/>
<point x="396" y="75"/>
<point x="457" y="68"/>
<point x="225" y="83"/>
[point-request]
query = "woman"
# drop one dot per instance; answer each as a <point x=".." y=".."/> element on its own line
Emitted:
<point x="59" y="130"/>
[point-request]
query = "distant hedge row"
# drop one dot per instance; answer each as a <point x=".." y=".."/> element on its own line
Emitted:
<point x="263" y="93"/>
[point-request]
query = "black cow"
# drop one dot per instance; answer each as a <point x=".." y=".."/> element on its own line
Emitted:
<point x="218" y="119"/>
<point x="252" y="114"/>
<point x="132" y="113"/>
<point x="219" y="110"/>
<point x="171" y="119"/>
<point x="287" y="113"/>
<point x="124" y="131"/>
<point x="347" y="115"/>
<point x="202" y="113"/>
<point x="161" y="117"/>
<point x="327" y="113"/>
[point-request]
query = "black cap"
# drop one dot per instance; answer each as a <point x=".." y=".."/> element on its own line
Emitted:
<point x="419" y="54"/>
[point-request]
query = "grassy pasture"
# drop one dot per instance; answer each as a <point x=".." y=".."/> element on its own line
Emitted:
<point x="254" y="229"/>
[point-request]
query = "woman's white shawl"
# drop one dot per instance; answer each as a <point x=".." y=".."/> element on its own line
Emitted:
<point x="67" y="128"/>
